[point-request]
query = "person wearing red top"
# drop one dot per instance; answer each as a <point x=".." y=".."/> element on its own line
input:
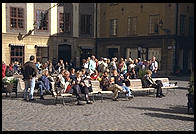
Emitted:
<point x="3" y="69"/>
<point x="10" y="67"/>
<point x="95" y="75"/>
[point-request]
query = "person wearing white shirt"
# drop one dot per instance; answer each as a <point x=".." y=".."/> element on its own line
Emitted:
<point x="154" y="66"/>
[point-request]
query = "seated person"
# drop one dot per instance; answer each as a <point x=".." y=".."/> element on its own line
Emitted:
<point x="95" y="75"/>
<point x="119" y="79"/>
<point x="148" y="82"/>
<point x="44" y="83"/>
<point x="72" y="73"/>
<point x="79" y="86"/>
<point x="131" y="74"/>
<point x="107" y="84"/>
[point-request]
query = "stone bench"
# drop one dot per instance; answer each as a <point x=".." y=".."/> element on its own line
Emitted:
<point x="136" y="85"/>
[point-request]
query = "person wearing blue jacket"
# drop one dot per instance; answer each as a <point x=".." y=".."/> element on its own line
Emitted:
<point x="44" y="83"/>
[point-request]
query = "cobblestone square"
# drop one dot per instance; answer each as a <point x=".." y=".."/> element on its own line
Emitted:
<point x="143" y="113"/>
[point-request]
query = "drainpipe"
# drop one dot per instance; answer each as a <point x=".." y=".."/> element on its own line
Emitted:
<point x="177" y="10"/>
<point x="96" y="29"/>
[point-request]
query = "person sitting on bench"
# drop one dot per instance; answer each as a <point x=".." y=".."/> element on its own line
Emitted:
<point x="148" y="82"/>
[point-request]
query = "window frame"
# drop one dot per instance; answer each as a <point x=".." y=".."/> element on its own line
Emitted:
<point x="41" y="56"/>
<point x="191" y="26"/>
<point x="152" y="24"/>
<point x="17" y="49"/>
<point x="132" y="27"/>
<point x="17" y="18"/>
<point x="114" y="27"/>
<point x="182" y="24"/>
<point x="61" y="22"/>
<point x="86" y="29"/>
<point x="42" y="30"/>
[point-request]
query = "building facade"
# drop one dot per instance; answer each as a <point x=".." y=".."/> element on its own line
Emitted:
<point x="68" y="33"/>
<point x="74" y="31"/>
<point x="164" y="30"/>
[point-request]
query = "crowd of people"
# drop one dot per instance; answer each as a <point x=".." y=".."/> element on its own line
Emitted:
<point x="111" y="73"/>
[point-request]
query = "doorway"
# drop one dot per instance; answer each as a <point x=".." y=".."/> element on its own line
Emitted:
<point x="64" y="52"/>
<point x="112" y="52"/>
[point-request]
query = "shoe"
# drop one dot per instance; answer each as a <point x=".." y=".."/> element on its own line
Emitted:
<point x="32" y="99"/>
<point x="162" y="95"/>
<point x="159" y="96"/>
<point x="175" y="83"/>
<point x="42" y="97"/>
<point x="131" y="97"/>
<point x="115" y="99"/>
<point x="48" y="92"/>
<point x="89" y="102"/>
<point x="25" y="99"/>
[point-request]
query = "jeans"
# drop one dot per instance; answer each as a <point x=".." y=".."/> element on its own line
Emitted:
<point x="41" y="87"/>
<point x="127" y="89"/>
<point x="29" y="84"/>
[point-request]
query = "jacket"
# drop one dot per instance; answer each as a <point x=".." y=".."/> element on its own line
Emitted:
<point x="29" y="70"/>
<point x="147" y="81"/>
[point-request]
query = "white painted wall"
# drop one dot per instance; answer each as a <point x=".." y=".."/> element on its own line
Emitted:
<point x="30" y="16"/>
<point x="3" y="18"/>
<point x="54" y="20"/>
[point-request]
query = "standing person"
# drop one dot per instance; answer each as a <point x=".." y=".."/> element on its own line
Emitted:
<point x="3" y="69"/>
<point x="122" y="66"/>
<point x="154" y="66"/>
<point x="148" y="82"/>
<point x="29" y="72"/>
<point x="112" y="65"/>
<point x="92" y="64"/>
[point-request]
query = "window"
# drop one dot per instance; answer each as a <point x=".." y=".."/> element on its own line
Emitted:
<point x="191" y="26"/>
<point x="85" y="26"/>
<point x="132" y="22"/>
<point x="67" y="23"/>
<point x="42" y="54"/>
<point x="17" y="54"/>
<point x="16" y="18"/>
<point x="113" y="27"/>
<point x="153" y="24"/>
<point x="61" y="22"/>
<point x="182" y="24"/>
<point x="42" y="20"/>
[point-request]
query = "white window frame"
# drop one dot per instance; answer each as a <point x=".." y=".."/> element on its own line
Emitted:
<point x="153" y="22"/>
<point x="132" y="25"/>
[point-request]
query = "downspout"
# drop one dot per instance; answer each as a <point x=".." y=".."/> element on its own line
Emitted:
<point x="177" y="10"/>
<point x="96" y="29"/>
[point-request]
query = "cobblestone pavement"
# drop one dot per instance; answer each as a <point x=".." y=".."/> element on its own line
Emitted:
<point x="143" y="113"/>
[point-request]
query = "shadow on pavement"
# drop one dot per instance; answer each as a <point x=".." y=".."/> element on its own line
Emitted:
<point x="169" y="116"/>
<point x="179" y="109"/>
